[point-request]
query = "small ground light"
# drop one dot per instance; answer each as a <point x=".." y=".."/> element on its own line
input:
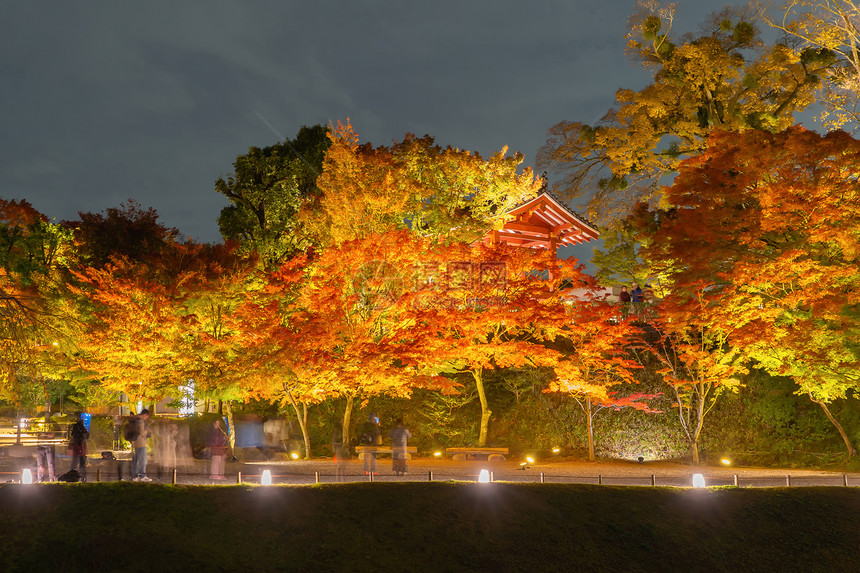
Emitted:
<point x="726" y="461"/>
<point x="437" y="454"/>
<point x="556" y="450"/>
<point x="294" y="455"/>
<point x="266" y="478"/>
<point x="26" y="476"/>
<point x="484" y="476"/>
<point x="698" y="480"/>
<point x="530" y="460"/>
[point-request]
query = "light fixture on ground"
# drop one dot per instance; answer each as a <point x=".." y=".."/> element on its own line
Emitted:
<point x="698" y="480"/>
<point x="484" y="476"/>
<point x="26" y="476"/>
<point x="295" y="455"/>
<point x="266" y="478"/>
<point x="726" y="461"/>
<point x="437" y="454"/>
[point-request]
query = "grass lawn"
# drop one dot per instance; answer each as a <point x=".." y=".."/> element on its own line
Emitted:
<point x="438" y="526"/>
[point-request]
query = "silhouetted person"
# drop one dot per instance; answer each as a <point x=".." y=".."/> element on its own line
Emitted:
<point x="78" y="436"/>
<point x="370" y="435"/>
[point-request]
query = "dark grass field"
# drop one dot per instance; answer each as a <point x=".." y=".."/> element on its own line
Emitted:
<point x="439" y="526"/>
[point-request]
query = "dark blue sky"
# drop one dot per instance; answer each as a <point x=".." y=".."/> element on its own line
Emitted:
<point x="106" y="101"/>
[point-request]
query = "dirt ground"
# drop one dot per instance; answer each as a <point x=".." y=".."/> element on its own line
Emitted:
<point x="551" y="470"/>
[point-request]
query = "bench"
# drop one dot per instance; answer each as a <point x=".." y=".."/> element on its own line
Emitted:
<point x="360" y="450"/>
<point x="489" y="454"/>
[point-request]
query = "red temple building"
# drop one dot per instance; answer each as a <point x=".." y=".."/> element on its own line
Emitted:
<point x="544" y="223"/>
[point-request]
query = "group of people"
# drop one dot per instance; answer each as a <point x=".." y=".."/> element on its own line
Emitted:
<point x="137" y="431"/>
<point x="635" y="295"/>
<point x="371" y="435"/>
<point x="77" y="436"/>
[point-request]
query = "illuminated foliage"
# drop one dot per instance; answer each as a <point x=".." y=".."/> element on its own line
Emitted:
<point x="724" y="79"/>
<point x="775" y="238"/>
<point x="267" y="189"/>
<point x="445" y="194"/>
<point x="828" y="29"/>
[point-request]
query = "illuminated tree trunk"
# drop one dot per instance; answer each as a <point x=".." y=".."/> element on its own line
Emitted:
<point x="478" y="375"/>
<point x="851" y="450"/>
<point x="232" y="434"/>
<point x="303" y="420"/>
<point x="589" y="416"/>
<point x="347" y="417"/>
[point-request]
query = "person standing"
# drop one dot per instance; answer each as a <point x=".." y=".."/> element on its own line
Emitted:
<point x="338" y="451"/>
<point x="78" y="436"/>
<point x="636" y="295"/>
<point x="216" y="441"/>
<point x="45" y="457"/>
<point x="399" y="437"/>
<point x="624" y="296"/>
<point x="370" y="435"/>
<point x="139" y="433"/>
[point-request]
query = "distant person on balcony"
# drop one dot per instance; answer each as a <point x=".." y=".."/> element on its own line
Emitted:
<point x="624" y="296"/>
<point x="636" y="295"/>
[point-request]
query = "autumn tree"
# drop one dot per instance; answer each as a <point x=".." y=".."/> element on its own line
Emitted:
<point x="267" y="189"/>
<point x="596" y="367"/>
<point x="445" y="194"/>
<point x="829" y="27"/>
<point x="32" y="250"/>
<point x="486" y="307"/>
<point x="769" y="223"/>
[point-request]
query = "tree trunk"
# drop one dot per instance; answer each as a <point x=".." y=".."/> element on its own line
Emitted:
<point x="347" y="416"/>
<point x="478" y="375"/>
<point x="851" y="450"/>
<point x="700" y="421"/>
<point x="232" y="434"/>
<point x="589" y="418"/>
<point x="302" y="421"/>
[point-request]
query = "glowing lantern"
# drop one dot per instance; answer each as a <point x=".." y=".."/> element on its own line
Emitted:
<point x="484" y="476"/>
<point x="698" y="480"/>
<point x="26" y="476"/>
<point x="266" y="478"/>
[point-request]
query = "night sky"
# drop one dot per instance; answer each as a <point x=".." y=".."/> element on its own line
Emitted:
<point x="106" y="101"/>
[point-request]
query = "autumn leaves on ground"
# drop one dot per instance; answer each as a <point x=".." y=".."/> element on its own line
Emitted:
<point x="441" y="526"/>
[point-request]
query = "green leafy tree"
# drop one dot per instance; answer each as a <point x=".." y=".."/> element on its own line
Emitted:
<point x="267" y="189"/>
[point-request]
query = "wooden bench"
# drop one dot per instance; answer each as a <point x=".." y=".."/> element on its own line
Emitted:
<point x="489" y="454"/>
<point x="360" y="450"/>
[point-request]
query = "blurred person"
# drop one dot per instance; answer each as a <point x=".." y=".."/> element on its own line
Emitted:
<point x="399" y="437"/>
<point x="338" y="451"/>
<point x="636" y="294"/>
<point x="216" y="441"/>
<point x="624" y="296"/>
<point x="45" y="457"/>
<point x="137" y="433"/>
<point x="370" y="435"/>
<point x="78" y="436"/>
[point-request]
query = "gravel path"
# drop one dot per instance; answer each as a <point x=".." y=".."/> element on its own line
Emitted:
<point x="424" y="469"/>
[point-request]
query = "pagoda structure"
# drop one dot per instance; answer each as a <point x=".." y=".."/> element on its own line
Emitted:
<point x="543" y="223"/>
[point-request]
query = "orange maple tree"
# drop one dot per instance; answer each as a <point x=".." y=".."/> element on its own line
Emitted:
<point x="770" y="224"/>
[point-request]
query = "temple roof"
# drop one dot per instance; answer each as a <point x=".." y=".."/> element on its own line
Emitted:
<point x="544" y="222"/>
